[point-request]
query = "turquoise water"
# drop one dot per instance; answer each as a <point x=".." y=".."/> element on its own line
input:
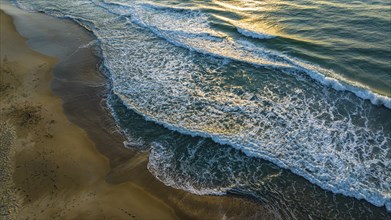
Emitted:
<point x="282" y="98"/>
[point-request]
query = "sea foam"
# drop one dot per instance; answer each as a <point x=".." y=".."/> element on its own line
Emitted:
<point x="190" y="29"/>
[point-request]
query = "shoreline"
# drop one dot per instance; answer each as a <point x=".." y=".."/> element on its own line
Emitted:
<point x="82" y="91"/>
<point x="57" y="171"/>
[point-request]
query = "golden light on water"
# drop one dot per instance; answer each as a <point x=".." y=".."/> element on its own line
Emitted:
<point x="241" y="5"/>
<point x="259" y="16"/>
<point x="249" y="15"/>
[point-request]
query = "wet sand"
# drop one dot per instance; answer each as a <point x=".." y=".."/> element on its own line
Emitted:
<point x="67" y="160"/>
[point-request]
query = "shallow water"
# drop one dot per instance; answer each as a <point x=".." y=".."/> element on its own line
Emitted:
<point x="304" y="85"/>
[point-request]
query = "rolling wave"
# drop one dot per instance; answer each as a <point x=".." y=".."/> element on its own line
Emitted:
<point x="190" y="29"/>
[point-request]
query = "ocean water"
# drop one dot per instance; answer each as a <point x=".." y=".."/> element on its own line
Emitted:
<point x="287" y="102"/>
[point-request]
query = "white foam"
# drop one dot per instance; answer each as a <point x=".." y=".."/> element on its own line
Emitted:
<point x="166" y="173"/>
<point x="190" y="29"/>
<point x="323" y="176"/>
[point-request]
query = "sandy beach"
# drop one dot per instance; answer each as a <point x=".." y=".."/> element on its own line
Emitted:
<point x="62" y="154"/>
<point x="57" y="172"/>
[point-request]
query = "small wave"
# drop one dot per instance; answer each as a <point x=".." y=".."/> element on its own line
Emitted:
<point x="254" y="34"/>
<point x="248" y="6"/>
<point x="166" y="8"/>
